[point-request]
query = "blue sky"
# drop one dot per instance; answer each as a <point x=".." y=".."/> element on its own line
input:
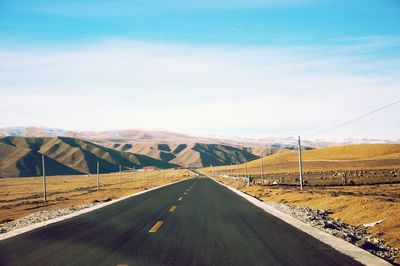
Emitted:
<point x="207" y="22"/>
<point x="262" y="67"/>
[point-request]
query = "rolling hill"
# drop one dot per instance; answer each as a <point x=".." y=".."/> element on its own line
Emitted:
<point x="21" y="156"/>
<point x="349" y="157"/>
<point x="189" y="154"/>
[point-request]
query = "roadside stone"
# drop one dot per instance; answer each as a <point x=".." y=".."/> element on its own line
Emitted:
<point x="41" y="216"/>
<point x="355" y="235"/>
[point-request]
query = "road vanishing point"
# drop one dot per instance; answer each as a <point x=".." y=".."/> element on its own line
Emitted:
<point x="193" y="222"/>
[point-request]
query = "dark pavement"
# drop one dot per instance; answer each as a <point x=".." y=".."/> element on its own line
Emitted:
<point x="210" y="226"/>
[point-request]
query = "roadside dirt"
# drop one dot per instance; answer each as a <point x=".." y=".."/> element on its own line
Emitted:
<point x="20" y="197"/>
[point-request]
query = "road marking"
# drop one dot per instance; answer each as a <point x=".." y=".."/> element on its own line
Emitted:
<point x="156" y="226"/>
<point x="180" y="199"/>
<point x="172" y="209"/>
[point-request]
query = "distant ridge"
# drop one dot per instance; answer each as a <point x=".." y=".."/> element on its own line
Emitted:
<point x="21" y="156"/>
<point x="153" y="136"/>
<point x="135" y="135"/>
<point x="191" y="154"/>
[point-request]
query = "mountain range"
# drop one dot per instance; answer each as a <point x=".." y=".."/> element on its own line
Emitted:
<point x="77" y="152"/>
<point x="146" y="136"/>
<point x="191" y="154"/>
<point x="21" y="156"/>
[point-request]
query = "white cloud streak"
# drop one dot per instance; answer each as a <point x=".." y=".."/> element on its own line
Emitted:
<point x="218" y="89"/>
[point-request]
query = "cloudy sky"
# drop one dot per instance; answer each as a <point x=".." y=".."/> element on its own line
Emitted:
<point x="235" y="68"/>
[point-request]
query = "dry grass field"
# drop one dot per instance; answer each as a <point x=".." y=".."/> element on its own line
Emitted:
<point x="352" y="164"/>
<point x="350" y="157"/>
<point x="22" y="196"/>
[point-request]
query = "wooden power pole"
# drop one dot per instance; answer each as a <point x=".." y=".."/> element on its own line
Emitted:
<point x="44" y="181"/>
<point x="247" y="175"/>
<point x="262" y="169"/>
<point x="98" y="177"/>
<point x="120" y="176"/>
<point x="300" y="164"/>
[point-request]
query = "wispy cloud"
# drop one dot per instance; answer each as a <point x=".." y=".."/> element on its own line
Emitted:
<point x="128" y="84"/>
<point x="74" y="8"/>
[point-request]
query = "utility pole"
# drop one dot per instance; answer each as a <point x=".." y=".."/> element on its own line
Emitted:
<point x="44" y="180"/>
<point x="133" y="173"/>
<point x="120" y="176"/>
<point x="98" y="181"/>
<point x="300" y="165"/>
<point x="247" y="174"/>
<point x="262" y="169"/>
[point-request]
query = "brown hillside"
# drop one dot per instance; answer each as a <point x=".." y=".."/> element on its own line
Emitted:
<point x="21" y="156"/>
<point x="189" y="154"/>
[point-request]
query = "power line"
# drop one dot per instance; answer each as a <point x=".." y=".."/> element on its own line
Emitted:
<point x="355" y="119"/>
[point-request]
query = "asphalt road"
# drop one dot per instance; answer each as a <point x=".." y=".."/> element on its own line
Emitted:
<point x="209" y="225"/>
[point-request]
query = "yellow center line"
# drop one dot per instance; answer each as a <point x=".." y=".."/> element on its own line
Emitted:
<point x="156" y="226"/>
<point x="172" y="209"/>
<point x="181" y="198"/>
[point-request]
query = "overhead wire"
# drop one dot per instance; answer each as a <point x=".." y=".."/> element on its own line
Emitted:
<point x="354" y="119"/>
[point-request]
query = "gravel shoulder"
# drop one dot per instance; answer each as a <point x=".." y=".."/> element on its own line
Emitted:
<point x="355" y="235"/>
<point x="41" y="216"/>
